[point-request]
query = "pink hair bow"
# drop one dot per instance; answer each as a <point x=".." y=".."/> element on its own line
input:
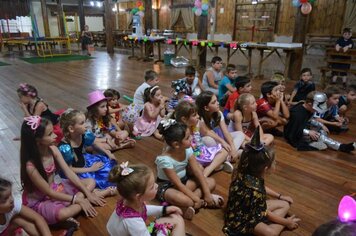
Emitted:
<point x="125" y="169"/>
<point x="24" y="87"/>
<point x="33" y="121"/>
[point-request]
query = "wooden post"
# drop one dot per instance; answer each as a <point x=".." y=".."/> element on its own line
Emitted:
<point x="299" y="34"/>
<point x="61" y="29"/>
<point x="202" y="35"/>
<point x="109" y="27"/>
<point x="45" y="18"/>
<point x="81" y="15"/>
<point x="148" y="25"/>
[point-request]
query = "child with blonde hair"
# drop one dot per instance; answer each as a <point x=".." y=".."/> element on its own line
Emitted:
<point x="136" y="185"/>
<point x="175" y="186"/>
<point x="211" y="158"/>
<point x="245" y="119"/>
<point x="73" y="148"/>
<point x="109" y="136"/>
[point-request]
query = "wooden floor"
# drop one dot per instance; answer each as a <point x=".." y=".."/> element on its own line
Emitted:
<point x="316" y="180"/>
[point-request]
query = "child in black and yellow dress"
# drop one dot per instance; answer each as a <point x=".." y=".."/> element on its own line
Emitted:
<point x="248" y="211"/>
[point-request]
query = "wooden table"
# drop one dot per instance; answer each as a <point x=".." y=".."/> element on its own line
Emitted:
<point x="146" y="43"/>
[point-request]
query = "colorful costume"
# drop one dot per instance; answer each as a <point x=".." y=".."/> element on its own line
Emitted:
<point x="42" y="204"/>
<point x="246" y="206"/>
<point x="75" y="157"/>
<point x="125" y="221"/>
<point x="204" y="154"/>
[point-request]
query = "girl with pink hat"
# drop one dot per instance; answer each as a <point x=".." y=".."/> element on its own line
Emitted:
<point x="108" y="134"/>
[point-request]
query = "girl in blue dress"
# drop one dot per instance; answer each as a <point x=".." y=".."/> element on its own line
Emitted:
<point x="73" y="148"/>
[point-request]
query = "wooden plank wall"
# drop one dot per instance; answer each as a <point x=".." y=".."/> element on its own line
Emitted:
<point x="326" y="17"/>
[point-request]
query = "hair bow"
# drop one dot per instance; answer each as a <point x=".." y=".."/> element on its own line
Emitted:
<point x="125" y="169"/>
<point x="167" y="123"/>
<point x="24" y="87"/>
<point x="33" y="121"/>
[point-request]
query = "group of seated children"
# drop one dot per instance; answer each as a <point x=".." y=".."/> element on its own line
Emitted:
<point x="67" y="164"/>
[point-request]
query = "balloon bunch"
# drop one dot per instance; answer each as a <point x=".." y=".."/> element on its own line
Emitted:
<point x="305" y="5"/>
<point x="201" y="7"/>
<point x="138" y="10"/>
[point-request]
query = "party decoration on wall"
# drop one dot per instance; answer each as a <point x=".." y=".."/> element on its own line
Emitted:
<point x="139" y="9"/>
<point x="201" y="7"/>
<point x="306" y="8"/>
<point x="305" y="5"/>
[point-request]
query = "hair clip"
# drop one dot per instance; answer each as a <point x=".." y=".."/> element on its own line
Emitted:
<point x="347" y="209"/>
<point x="168" y="123"/>
<point x="125" y="169"/>
<point x="33" y="94"/>
<point x="33" y="121"/>
<point x="153" y="88"/>
<point x="24" y="87"/>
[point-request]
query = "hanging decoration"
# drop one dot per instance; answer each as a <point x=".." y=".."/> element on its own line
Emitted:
<point x="201" y="7"/>
<point x="139" y="9"/>
<point x="305" y="5"/>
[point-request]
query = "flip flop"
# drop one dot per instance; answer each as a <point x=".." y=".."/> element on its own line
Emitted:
<point x="218" y="202"/>
<point x="189" y="213"/>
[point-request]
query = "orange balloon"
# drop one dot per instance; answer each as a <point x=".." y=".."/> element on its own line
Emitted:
<point x="306" y="8"/>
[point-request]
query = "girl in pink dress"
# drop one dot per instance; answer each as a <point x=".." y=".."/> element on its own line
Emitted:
<point x="153" y="111"/>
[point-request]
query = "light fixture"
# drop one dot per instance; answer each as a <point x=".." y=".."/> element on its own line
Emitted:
<point x="99" y="4"/>
<point x="92" y="3"/>
<point x="155" y="4"/>
<point x="254" y="1"/>
<point x="114" y="9"/>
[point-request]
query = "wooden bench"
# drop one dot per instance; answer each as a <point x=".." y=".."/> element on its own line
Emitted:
<point x="322" y="41"/>
<point x="330" y="60"/>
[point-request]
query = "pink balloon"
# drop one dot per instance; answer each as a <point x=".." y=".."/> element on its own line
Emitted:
<point x="197" y="4"/>
<point x="306" y="8"/>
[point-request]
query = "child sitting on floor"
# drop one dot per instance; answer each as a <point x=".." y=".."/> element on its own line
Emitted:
<point x="213" y="76"/>
<point x="248" y="211"/>
<point x="151" y="79"/>
<point x="304" y="86"/>
<point x="54" y="198"/>
<point x="307" y="134"/>
<point x="33" y="105"/>
<point x="227" y="84"/>
<point x="245" y="119"/>
<point x="192" y="190"/>
<point x="211" y="158"/>
<point x="73" y="147"/>
<point x="192" y="81"/>
<point x="330" y="119"/>
<point x="281" y="80"/>
<point x="136" y="185"/>
<point x="180" y="89"/>
<point x="153" y="111"/>
<point x="345" y="101"/>
<point x="271" y="109"/>
<point x="14" y="215"/>
<point x="109" y="136"/>
<point x="242" y="85"/>
<point x="213" y="126"/>
<point x="114" y="106"/>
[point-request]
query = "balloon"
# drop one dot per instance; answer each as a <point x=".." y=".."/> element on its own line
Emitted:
<point x="204" y="1"/>
<point x="296" y="3"/>
<point x="141" y="8"/>
<point x="194" y="9"/>
<point x="306" y="8"/>
<point x="303" y="1"/>
<point x="197" y="4"/>
<point x="198" y="12"/>
<point x="134" y="11"/>
<point x="138" y="3"/>
<point x="311" y="1"/>
<point x="205" y="7"/>
<point x="141" y="13"/>
<point x="204" y="13"/>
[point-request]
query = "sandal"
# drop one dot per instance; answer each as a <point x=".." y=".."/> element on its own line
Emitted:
<point x="218" y="202"/>
<point x="189" y="213"/>
<point x="127" y="143"/>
